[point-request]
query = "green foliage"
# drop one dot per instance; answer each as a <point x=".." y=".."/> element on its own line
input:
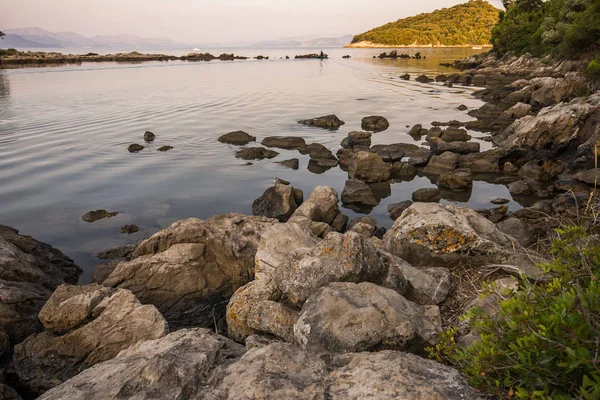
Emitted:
<point x="565" y="28"/>
<point x="470" y="23"/>
<point x="545" y="341"/>
<point x="593" y="68"/>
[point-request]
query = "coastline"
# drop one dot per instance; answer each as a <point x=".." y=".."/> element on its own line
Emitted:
<point x="371" y="45"/>
<point x="271" y="282"/>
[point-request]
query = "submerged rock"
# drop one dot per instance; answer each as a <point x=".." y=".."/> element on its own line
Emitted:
<point x="130" y="229"/>
<point x="149" y="136"/>
<point x="285" y="142"/>
<point x="134" y="148"/>
<point x="328" y="122"/>
<point x="293" y="163"/>
<point x="165" y="148"/>
<point x="97" y="215"/>
<point x="424" y="79"/>
<point x="237" y="138"/>
<point x="256" y="153"/>
<point x="375" y="123"/>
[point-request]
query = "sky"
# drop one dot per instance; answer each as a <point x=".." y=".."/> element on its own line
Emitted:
<point x="215" y="21"/>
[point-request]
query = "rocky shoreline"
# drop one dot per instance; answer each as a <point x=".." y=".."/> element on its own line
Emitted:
<point x="297" y="301"/>
<point x="371" y="45"/>
<point x="12" y="57"/>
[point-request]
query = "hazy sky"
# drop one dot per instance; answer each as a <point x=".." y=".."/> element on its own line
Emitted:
<point x="197" y="21"/>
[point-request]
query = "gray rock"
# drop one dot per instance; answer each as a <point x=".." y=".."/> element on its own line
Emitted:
<point x="375" y="123"/>
<point x="438" y="146"/>
<point x="256" y="153"/>
<point x="93" y="216"/>
<point x="419" y="157"/>
<point x="369" y="167"/>
<point x="134" y="148"/>
<point x="293" y="163"/>
<point x="519" y="188"/>
<point x="436" y="131"/>
<point x="118" y="321"/>
<point x="424" y="79"/>
<point x="363" y="229"/>
<point x="328" y="122"/>
<point x="423" y="285"/>
<point x="460" y="179"/>
<point x="277" y="202"/>
<point x="444" y="162"/>
<point x="452" y="134"/>
<point x="365" y="220"/>
<point x="405" y="77"/>
<point x="403" y="170"/>
<point x="189" y="270"/>
<point x="31" y="270"/>
<point x="396" y="209"/>
<point x="358" y="192"/>
<point x="165" y="148"/>
<point x="347" y="258"/>
<point x="348" y="317"/>
<point x="177" y="366"/>
<point x="590" y="177"/>
<point x="321" y="206"/>
<point x="519" y="110"/>
<point x="433" y="235"/>
<point x="427" y="195"/>
<point x="149" y="136"/>
<point x="237" y="138"/>
<point x="285" y="142"/>
<point x="515" y="228"/>
<point x="416" y="130"/>
<point x="321" y="155"/>
<point x="129" y="229"/>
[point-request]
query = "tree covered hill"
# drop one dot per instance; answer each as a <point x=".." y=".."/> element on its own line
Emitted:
<point x="465" y="24"/>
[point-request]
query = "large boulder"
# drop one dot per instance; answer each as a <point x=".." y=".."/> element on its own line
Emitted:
<point x="98" y="322"/>
<point x="177" y="366"/>
<point x="189" y="270"/>
<point x="237" y="138"/>
<point x="279" y="202"/>
<point x="322" y="206"/>
<point x="375" y="123"/>
<point x="338" y="258"/>
<point x="284" y="371"/>
<point x="327" y="121"/>
<point x="30" y="271"/>
<point x="434" y="235"/>
<point x="369" y="167"/>
<point x="349" y="317"/>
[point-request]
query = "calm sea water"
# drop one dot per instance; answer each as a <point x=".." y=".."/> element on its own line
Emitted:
<point x="64" y="133"/>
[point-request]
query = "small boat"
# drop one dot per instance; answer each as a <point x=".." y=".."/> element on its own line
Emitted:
<point x="196" y="49"/>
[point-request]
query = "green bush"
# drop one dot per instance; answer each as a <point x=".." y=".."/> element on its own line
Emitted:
<point x="545" y="341"/>
<point x="593" y="68"/>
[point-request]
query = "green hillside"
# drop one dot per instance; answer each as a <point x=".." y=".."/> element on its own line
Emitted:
<point x="470" y="23"/>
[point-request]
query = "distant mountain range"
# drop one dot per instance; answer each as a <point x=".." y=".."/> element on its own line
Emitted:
<point x="34" y="37"/>
<point x="310" y="41"/>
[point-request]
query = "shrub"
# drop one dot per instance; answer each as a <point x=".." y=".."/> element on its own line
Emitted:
<point x="545" y="341"/>
<point x="593" y="68"/>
